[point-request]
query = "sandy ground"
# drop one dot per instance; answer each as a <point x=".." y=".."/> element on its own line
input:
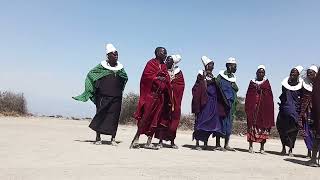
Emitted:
<point x="44" y="148"/>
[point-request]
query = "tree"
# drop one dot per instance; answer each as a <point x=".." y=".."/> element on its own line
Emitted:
<point x="129" y="106"/>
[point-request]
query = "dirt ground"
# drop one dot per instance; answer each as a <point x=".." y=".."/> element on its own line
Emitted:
<point x="48" y="148"/>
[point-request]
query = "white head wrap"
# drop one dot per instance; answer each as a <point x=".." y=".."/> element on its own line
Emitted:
<point x="314" y="68"/>
<point x="231" y="60"/>
<point x="262" y="67"/>
<point x="299" y="68"/>
<point x="206" y="60"/>
<point x="110" y="48"/>
<point x="176" y="58"/>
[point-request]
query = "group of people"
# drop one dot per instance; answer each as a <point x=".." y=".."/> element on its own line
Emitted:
<point x="299" y="111"/>
<point x="214" y="103"/>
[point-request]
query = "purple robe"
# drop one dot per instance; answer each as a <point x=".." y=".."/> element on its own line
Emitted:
<point x="207" y="120"/>
<point x="287" y="121"/>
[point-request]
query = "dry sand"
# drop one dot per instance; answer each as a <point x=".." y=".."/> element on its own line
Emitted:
<point x="48" y="148"/>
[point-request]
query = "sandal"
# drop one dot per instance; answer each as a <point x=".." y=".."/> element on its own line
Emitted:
<point x="174" y="146"/>
<point x="134" y="145"/>
<point x="219" y="148"/>
<point x="98" y="143"/>
<point x="228" y="148"/>
<point x="150" y="146"/>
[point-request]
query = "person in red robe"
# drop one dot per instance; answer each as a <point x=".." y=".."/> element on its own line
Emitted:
<point x="316" y="115"/>
<point x="168" y="129"/>
<point x="259" y="107"/>
<point x="154" y="105"/>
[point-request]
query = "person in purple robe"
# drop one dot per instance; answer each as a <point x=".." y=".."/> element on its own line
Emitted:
<point x="205" y="105"/>
<point x="306" y="119"/>
<point x="290" y="106"/>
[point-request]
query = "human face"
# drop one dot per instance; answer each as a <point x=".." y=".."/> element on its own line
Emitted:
<point x="209" y="67"/>
<point x="113" y="57"/>
<point x="294" y="75"/>
<point x="169" y="62"/>
<point x="161" y="54"/>
<point x="260" y="74"/>
<point x="311" y="74"/>
<point x="232" y="68"/>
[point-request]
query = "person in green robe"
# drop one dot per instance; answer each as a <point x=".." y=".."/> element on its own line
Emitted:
<point x="104" y="86"/>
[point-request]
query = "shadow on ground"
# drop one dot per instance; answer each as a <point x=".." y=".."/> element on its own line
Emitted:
<point x="279" y="154"/>
<point x="297" y="161"/>
<point x="193" y="147"/>
<point x="92" y="142"/>
<point x="242" y="150"/>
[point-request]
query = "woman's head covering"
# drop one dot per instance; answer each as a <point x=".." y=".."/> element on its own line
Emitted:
<point x="176" y="58"/>
<point x="206" y="60"/>
<point x="110" y="48"/>
<point x="262" y="67"/>
<point x="299" y="68"/>
<point x="314" y="68"/>
<point x="231" y="60"/>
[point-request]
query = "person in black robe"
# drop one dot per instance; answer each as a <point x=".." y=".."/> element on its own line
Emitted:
<point x="287" y="121"/>
<point x="104" y="86"/>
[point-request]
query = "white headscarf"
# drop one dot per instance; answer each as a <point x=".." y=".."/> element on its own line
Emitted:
<point x="314" y="68"/>
<point x="176" y="58"/>
<point x="231" y="60"/>
<point x="206" y="60"/>
<point x="110" y="48"/>
<point x="286" y="84"/>
<point x="262" y="67"/>
<point x="307" y="84"/>
<point x="299" y="68"/>
<point x="175" y="69"/>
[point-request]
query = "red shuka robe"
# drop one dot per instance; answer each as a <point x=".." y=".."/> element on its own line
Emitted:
<point x="155" y="100"/>
<point x="259" y="106"/>
<point x="316" y="104"/>
<point x="168" y="129"/>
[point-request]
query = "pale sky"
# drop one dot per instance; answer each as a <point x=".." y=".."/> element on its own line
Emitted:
<point x="47" y="47"/>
